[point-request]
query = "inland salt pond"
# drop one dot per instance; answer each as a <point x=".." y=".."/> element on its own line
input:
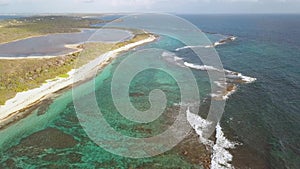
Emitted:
<point x="55" y="44"/>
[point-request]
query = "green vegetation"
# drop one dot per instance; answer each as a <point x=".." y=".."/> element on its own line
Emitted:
<point x="16" y="29"/>
<point x="92" y="50"/>
<point x="23" y="74"/>
<point x="66" y="75"/>
<point x="136" y="38"/>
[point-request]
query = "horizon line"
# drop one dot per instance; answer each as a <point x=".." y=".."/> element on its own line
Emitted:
<point x="174" y="13"/>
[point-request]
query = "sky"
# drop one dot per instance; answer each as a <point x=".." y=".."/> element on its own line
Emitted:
<point x="168" y="6"/>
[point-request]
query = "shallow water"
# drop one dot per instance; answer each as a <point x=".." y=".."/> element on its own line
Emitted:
<point x="54" y="137"/>
<point x="61" y="141"/>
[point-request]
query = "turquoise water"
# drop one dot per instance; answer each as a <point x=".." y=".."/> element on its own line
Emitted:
<point x="59" y="140"/>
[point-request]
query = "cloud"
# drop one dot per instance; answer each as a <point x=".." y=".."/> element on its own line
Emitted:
<point x="88" y="1"/>
<point x="4" y="2"/>
<point x="173" y="6"/>
<point x="144" y="3"/>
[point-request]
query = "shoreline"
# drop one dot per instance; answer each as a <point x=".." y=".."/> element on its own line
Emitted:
<point x="27" y="99"/>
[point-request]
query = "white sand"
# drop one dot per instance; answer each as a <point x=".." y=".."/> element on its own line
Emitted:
<point x="28" y="98"/>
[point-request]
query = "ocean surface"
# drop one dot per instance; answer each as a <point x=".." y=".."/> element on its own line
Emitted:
<point x="3" y="17"/>
<point x="262" y="117"/>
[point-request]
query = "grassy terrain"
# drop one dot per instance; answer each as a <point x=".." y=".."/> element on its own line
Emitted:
<point x="16" y="29"/>
<point x="24" y="74"/>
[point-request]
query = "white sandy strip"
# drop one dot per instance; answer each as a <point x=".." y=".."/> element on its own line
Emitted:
<point x="28" y="98"/>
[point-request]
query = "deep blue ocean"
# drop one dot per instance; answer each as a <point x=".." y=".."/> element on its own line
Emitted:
<point x="3" y="17"/>
<point x="264" y="115"/>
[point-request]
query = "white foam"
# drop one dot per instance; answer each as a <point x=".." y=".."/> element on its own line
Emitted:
<point x="168" y="54"/>
<point x="185" y="47"/>
<point x="172" y="58"/>
<point x="177" y="58"/>
<point x="220" y="93"/>
<point x="190" y="47"/>
<point x="229" y="74"/>
<point x="218" y="43"/>
<point x="233" y="38"/>
<point x="221" y="96"/>
<point x="221" y="157"/>
<point x="236" y="75"/>
<point x="224" y="41"/>
<point x="220" y="84"/>
<point x="199" y="124"/>
<point x="248" y="79"/>
<point x="200" y="67"/>
<point x="215" y="95"/>
<point x="225" y="97"/>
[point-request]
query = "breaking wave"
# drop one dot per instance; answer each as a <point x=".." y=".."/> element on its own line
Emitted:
<point x="221" y="157"/>
<point x="226" y="89"/>
<point x="190" y="47"/>
<point x="220" y="42"/>
<point x="228" y="73"/>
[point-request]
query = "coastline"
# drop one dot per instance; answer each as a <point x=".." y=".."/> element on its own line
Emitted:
<point x="26" y="99"/>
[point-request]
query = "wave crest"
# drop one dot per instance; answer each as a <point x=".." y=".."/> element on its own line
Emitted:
<point x="220" y="42"/>
<point x="221" y="157"/>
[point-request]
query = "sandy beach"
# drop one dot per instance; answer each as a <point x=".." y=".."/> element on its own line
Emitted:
<point x="29" y="98"/>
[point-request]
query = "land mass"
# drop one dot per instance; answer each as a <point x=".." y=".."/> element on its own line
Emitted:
<point x="16" y="29"/>
<point x="19" y="75"/>
<point x="34" y="78"/>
